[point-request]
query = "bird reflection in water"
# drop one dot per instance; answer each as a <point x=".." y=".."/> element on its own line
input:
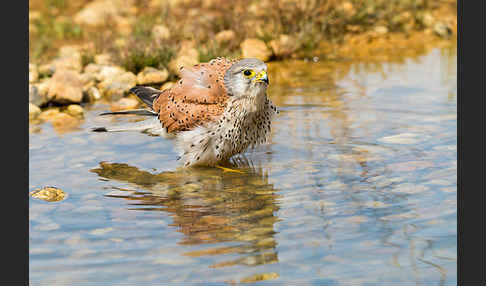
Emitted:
<point x="209" y="206"/>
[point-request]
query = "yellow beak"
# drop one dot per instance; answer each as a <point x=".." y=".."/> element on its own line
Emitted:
<point x="262" y="77"/>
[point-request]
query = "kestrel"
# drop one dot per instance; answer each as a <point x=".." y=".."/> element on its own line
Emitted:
<point x="216" y="110"/>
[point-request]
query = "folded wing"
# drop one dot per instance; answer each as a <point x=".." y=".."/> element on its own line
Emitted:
<point x="198" y="98"/>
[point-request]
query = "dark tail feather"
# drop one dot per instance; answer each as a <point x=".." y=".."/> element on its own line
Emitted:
<point x="134" y="111"/>
<point x="146" y="94"/>
<point x="99" y="129"/>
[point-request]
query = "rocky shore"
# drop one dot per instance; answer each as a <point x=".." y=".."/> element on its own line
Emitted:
<point x="82" y="73"/>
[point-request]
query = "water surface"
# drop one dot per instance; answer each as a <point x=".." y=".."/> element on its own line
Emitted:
<point x="357" y="186"/>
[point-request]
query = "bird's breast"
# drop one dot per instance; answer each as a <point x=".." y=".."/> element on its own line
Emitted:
<point x="239" y="128"/>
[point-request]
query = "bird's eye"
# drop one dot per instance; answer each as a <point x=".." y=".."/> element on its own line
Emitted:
<point x="248" y="73"/>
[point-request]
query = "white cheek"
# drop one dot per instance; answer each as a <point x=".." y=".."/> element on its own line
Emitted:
<point x="240" y="86"/>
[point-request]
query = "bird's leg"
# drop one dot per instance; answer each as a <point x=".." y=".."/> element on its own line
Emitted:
<point x="229" y="169"/>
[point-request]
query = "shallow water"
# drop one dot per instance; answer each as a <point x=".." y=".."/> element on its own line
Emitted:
<point x="357" y="186"/>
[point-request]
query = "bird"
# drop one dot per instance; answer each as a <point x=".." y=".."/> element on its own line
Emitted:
<point x="216" y="110"/>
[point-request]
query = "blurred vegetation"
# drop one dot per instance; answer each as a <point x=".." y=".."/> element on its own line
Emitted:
<point x="308" y="23"/>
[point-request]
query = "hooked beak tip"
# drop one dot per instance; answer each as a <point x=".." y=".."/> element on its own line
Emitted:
<point x="262" y="77"/>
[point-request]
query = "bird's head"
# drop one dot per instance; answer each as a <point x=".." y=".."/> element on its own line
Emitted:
<point x="246" y="77"/>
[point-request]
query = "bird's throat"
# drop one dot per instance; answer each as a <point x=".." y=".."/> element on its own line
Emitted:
<point x="254" y="101"/>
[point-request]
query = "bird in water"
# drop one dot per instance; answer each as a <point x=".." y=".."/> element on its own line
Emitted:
<point x="216" y="110"/>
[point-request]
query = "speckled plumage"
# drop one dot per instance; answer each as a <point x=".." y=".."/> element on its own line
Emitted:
<point x="214" y="111"/>
<point x="234" y="131"/>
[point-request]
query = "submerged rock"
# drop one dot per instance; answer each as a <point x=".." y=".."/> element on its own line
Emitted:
<point x="49" y="194"/>
<point x="75" y="110"/>
<point x="260" y="277"/>
<point x="63" y="122"/>
<point x="49" y="114"/>
<point x="58" y="118"/>
<point x="403" y="138"/>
